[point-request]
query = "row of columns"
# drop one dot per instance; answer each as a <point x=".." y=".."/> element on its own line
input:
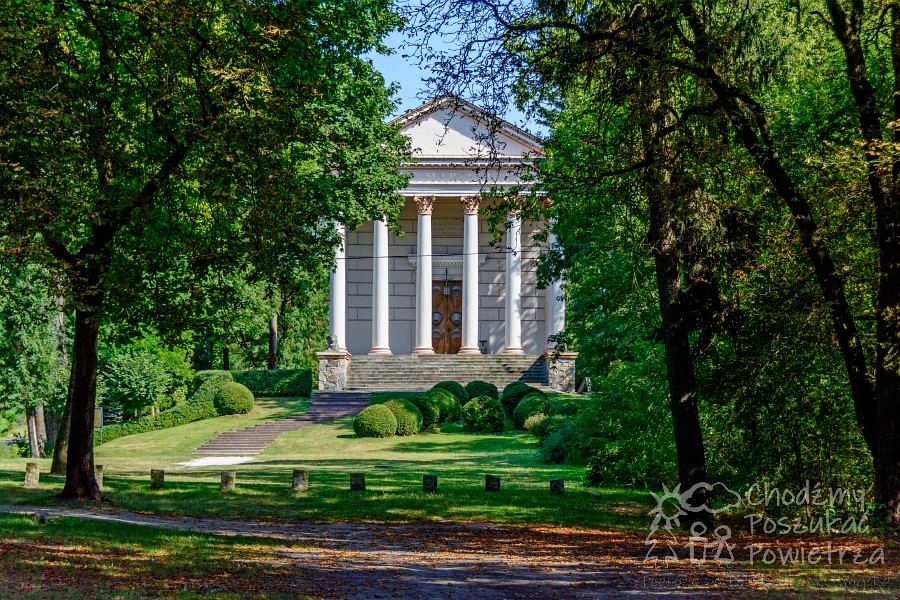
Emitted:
<point x="554" y="313"/>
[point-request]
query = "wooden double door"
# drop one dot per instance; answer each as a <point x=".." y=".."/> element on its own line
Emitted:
<point x="446" y="316"/>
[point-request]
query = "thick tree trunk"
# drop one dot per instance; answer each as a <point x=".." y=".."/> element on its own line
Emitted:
<point x="80" y="481"/>
<point x="273" y="342"/>
<point x="40" y="426"/>
<point x="35" y="449"/>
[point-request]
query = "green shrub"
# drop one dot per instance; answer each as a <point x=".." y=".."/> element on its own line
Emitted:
<point x="561" y="445"/>
<point x="484" y="414"/>
<point x="531" y="404"/>
<point x="548" y="425"/>
<point x="514" y="392"/>
<point x="409" y="418"/>
<point x="375" y="421"/>
<point x="448" y="406"/>
<point x="202" y="377"/>
<point x="234" y="398"/>
<point x="431" y="411"/>
<point x="532" y="422"/>
<point x="568" y="409"/>
<point x="278" y="383"/>
<point x="454" y="388"/>
<point x="482" y="388"/>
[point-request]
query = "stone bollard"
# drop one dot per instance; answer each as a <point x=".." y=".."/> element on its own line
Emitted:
<point x="157" y="479"/>
<point x="429" y="483"/>
<point x="98" y="475"/>
<point x="301" y="480"/>
<point x="357" y="482"/>
<point x="32" y="475"/>
<point x="557" y="486"/>
<point x="228" y="478"/>
<point x="492" y="483"/>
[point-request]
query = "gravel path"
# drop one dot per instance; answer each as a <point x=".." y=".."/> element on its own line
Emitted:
<point x="455" y="561"/>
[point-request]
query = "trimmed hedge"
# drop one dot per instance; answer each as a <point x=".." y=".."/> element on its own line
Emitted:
<point x="234" y="398"/>
<point x="201" y="377"/>
<point x="428" y="406"/>
<point x="528" y="406"/>
<point x="454" y="388"/>
<point x="482" y="388"/>
<point x="409" y="418"/>
<point x="449" y="408"/>
<point x="201" y="405"/>
<point x="484" y="414"/>
<point x="514" y="392"/>
<point x="375" y="421"/>
<point x="278" y="383"/>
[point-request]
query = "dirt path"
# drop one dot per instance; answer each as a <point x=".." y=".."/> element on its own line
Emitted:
<point x="360" y="560"/>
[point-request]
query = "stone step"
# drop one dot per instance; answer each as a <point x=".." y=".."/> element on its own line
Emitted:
<point x="409" y="372"/>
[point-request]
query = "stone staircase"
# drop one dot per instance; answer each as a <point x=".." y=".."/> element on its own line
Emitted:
<point x="412" y="372"/>
<point x="324" y="406"/>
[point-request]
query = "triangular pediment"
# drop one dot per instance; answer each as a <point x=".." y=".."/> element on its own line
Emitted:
<point x="451" y="128"/>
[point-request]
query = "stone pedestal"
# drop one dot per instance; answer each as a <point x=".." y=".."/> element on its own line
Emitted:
<point x="228" y="478"/>
<point x="157" y="479"/>
<point x="357" y="482"/>
<point x="429" y="483"/>
<point x="301" y="480"/>
<point x="32" y="475"/>
<point x="557" y="486"/>
<point x="492" y="483"/>
<point x="98" y="475"/>
<point x="561" y="371"/>
<point x="333" y="369"/>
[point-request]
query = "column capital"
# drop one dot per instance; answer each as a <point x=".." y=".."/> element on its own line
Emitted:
<point x="470" y="204"/>
<point x="425" y="204"/>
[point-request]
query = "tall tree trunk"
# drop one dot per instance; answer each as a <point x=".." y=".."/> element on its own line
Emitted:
<point x="273" y="342"/>
<point x="81" y="483"/>
<point x="34" y="445"/>
<point x="40" y="427"/>
<point x="58" y="425"/>
<point x="61" y="444"/>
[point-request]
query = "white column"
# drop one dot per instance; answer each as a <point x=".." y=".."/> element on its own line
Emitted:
<point x="425" y="205"/>
<point x="380" y="314"/>
<point x="555" y="311"/>
<point x="470" y="276"/>
<point x="337" y="313"/>
<point x="513" y="285"/>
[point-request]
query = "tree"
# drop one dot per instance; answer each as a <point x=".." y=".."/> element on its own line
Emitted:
<point x="194" y="133"/>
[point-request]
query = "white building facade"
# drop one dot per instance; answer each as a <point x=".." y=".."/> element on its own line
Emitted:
<point x="441" y="288"/>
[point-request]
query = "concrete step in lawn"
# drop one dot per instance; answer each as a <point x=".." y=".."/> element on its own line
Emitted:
<point x="324" y="407"/>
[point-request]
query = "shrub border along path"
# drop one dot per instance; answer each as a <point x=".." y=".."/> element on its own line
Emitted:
<point x="457" y="561"/>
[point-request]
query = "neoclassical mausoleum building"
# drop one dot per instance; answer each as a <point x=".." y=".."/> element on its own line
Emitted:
<point x="442" y="288"/>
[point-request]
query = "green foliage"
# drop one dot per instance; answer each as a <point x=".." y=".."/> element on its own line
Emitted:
<point x="409" y="418"/>
<point x="530" y="405"/>
<point x="562" y="445"/>
<point x="484" y="414"/>
<point x="532" y="422"/>
<point x="375" y="421"/>
<point x="447" y="405"/>
<point x="133" y="381"/>
<point x="429" y="407"/>
<point x="454" y="388"/>
<point x="482" y="388"/>
<point x="266" y="383"/>
<point x="548" y="425"/>
<point x="567" y="409"/>
<point x="515" y="392"/>
<point x="233" y="398"/>
<point x="202" y="377"/>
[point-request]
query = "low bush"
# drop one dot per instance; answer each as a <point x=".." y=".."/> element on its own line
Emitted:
<point x="532" y="422"/>
<point x="569" y="409"/>
<point x="375" y="421"/>
<point x="514" y="392"/>
<point x="531" y="404"/>
<point x="202" y="377"/>
<point x="409" y="418"/>
<point x="449" y="408"/>
<point x="482" y="388"/>
<point x="484" y="414"/>
<point x="233" y="399"/>
<point x="456" y="389"/>
<point x="549" y="425"/>
<point x="431" y="411"/>
<point x="561" y="445"/>
<point x="277" y="383"/>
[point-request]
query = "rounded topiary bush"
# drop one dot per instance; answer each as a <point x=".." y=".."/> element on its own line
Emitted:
<point x="483" y="413"/>
<point x="528" y="406"/>
<point x="233" y="398"/>
<point x="449" y="408"/>
<point x="482" y="388"/>
<point x="454" y="388"/>
<point x="514" y="392"/>
<point x="428" y="406"/>
<point x="375" y="421"/>
<point x="409" y="418"/>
